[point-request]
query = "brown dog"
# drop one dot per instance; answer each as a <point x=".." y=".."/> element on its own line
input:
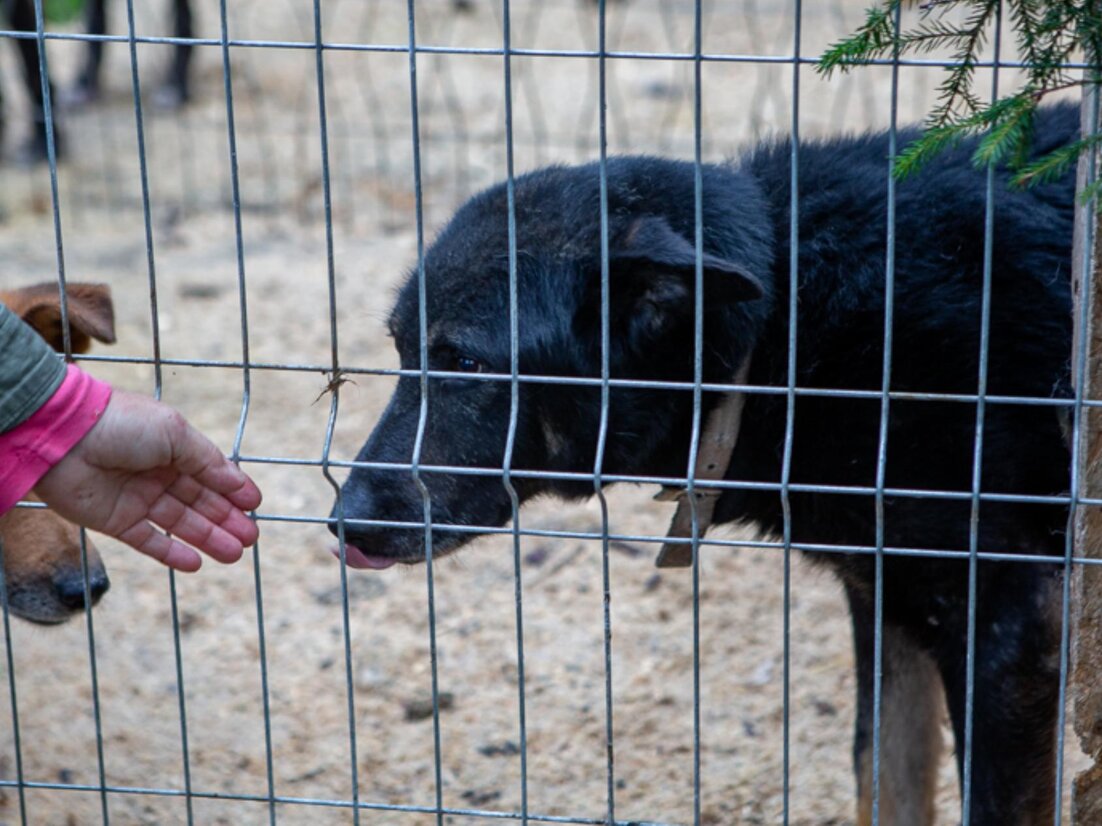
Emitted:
<point x="42" y="569"/>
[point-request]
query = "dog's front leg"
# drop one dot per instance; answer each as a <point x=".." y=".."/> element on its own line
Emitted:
<point x="911" y="705"/>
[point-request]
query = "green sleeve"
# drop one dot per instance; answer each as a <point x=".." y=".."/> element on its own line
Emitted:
<point x="30" y="371"/>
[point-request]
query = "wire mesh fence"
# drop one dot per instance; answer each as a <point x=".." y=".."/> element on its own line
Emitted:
<point x="254" y="240"/>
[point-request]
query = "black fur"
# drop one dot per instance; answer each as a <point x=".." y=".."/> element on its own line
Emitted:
<point x="840" y="336"/>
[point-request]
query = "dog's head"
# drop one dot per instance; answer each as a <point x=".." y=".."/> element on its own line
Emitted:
<point x="42" y="568"/>
<point x="467" y="427"/>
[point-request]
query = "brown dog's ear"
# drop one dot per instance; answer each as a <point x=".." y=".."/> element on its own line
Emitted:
<point x="91" y="314"/>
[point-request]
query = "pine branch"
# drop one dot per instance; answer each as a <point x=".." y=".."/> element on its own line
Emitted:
<point x="874" y="38"/>
<point x="933" y="142"/>
<point x="1090" y="193"/>
<point x="956" y="91"/>
<point x="1049" y="34"/>
<point x="932" y="36"/>
<point x="1055" y="164"/>
<point x="1009" y="131"/>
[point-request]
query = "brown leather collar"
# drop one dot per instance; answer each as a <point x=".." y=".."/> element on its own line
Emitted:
<point x="717" y="443"/>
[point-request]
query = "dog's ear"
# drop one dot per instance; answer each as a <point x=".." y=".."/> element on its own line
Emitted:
<point x="89" y="309"/>
<point x="654" y="270"/>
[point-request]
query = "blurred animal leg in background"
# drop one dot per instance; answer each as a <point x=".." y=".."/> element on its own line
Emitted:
<point x="33" y="150"/>
<point x="172" y="92"/>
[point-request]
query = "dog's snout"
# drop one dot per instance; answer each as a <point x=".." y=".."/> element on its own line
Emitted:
<point x="70" y="588"/>
<point x="356" y="502"/>
<point x="370" y="504"/>
<point x="361" y="539"/>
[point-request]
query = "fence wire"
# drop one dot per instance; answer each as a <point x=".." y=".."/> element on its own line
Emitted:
<point x="327" y="140"/>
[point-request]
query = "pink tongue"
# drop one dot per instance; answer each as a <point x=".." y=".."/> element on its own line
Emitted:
<point x="355" y="558"/>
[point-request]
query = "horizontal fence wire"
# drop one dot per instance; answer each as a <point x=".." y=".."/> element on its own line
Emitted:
<point x="321" y="802"/>
<point x="411" y="149"/>
<point x="610" y="54"/>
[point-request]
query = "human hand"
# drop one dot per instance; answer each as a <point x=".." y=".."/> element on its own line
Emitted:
<point x="142" y="463"/>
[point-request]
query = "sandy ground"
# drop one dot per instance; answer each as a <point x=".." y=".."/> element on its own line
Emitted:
<point x="223" y="649"/>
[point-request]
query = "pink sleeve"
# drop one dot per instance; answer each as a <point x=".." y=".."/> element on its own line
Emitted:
<point x="30" y="449"/>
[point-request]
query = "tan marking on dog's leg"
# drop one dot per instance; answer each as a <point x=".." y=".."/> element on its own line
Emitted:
<point x="911" y="710"/>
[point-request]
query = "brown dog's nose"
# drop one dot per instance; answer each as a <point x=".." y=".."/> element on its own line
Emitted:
<point x="70" y="588"/>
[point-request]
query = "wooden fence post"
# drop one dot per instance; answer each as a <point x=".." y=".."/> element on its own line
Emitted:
<point x="1086" y="641"/>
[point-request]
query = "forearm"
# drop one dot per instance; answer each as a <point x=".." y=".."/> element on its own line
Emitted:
<point x="30" y="371"/>
<point x="45" y="407"/>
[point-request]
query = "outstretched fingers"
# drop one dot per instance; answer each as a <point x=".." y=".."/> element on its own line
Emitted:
<point x="199" y="530"/>
<point x="196" y="456"/>
<point x="148" y="540"/>
<point x="215" y="508"/>
<point x="205" y="504"/>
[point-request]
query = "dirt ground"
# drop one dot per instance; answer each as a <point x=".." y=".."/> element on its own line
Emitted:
<point x="195" y="273"/>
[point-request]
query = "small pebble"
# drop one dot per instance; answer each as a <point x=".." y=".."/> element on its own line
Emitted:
<point x="538" y="556"/>
<point x="420" y="708"/>
<point x="503" y="749"/>
<point x="480" y="798"/>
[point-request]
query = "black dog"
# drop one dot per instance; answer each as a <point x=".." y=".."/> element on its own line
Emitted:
<point x="840" y="340"/>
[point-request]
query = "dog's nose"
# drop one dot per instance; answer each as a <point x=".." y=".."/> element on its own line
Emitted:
<point x="357" y="504"/>
<point x="354" y="534"/>
<point x="70" y="588"/>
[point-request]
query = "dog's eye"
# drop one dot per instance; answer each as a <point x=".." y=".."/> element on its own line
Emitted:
<point x="455" y="361"/>
<point x="466" y="364"/>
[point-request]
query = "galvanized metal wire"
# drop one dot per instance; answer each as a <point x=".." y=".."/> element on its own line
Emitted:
<point x="425" y="77"/>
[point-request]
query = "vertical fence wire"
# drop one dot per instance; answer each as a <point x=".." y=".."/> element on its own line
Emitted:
<point x="67" y="349"/>
<point x="514" y="402"/>
<point x="602" y="427"/>
<point x="977" y="456"/>
<point x="265" y="693"/>
<point x="9" y="655"/>
<point x="882" y="437"/>
<point x="89" y="624"/>
<point x="181" y="697"/>
<point x="790" y="406"/>
<point x="335" y="380"/>
<point x="181" y="692"/>
<point x="698" y="381"/>
<point x="246" y="394"/>
<point x="423" y="413"/>
<point x="51" y="159"/>
<point x="342" y="548"/>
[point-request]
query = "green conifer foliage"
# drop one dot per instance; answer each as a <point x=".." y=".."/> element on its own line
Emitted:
<point x="1054" y="39"/>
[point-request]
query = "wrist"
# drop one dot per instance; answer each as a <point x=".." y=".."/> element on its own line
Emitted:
<point x="29" y="450"/>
